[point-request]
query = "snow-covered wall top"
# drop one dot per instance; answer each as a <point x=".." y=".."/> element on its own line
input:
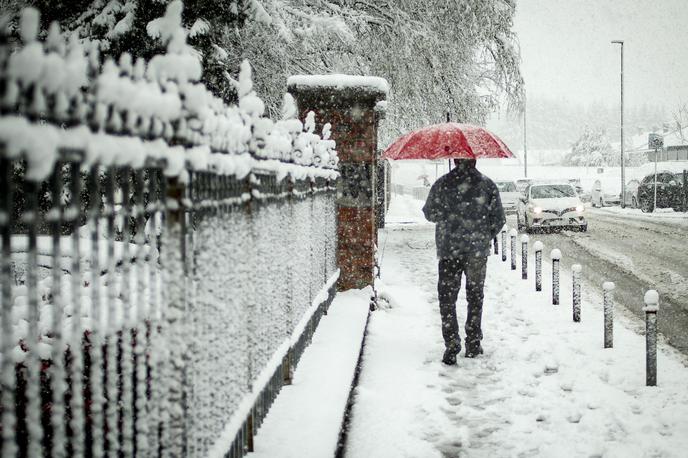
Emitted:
<point x="57" y="93"/>
<point x="364" y="83"/>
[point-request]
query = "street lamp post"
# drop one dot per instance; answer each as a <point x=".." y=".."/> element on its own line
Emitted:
<point x="623" y="171"/>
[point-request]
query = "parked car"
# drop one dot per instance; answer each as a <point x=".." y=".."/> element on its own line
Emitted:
<point x="603" y="199"/>
<point x="523" y="183"/>
<point x="551" y="205"/>
<point x="670" y="190"/>
<point x="632" y="193"/>
<point x="509" y="195"/>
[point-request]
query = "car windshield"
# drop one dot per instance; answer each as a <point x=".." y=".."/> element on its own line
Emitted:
<point x="552" y="191"/>
<point x="506" y="186"/>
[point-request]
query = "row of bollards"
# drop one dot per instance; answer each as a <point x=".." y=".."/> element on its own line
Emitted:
<point x="651" y="298"/>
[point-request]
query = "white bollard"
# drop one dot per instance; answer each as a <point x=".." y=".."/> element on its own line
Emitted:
<point x="504" y="229"/>
<point x="575" y="275"/>
<point x="555" y="255"/>
<point x="524" y="257"/>
<point x="537" y="246"/>
<point x="651" y="308"/>
<point x="513" y="235"/>
<point x="608" y="288"/>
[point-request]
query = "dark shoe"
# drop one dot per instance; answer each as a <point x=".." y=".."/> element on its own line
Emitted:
<point x="449" y="357"/>
<point x="450" y="353"/>
<point x="473" y="352"/>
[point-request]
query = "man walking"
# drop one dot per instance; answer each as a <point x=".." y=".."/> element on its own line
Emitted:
<point x="466" y="206"/>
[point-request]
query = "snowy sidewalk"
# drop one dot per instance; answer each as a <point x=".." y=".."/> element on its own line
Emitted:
<point x="544" y="387"/>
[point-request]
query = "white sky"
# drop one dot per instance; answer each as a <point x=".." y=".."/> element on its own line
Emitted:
<point x="566" y="50"/>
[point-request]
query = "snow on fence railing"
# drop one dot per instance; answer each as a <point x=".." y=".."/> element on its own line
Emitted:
<point x="165" y="257"/>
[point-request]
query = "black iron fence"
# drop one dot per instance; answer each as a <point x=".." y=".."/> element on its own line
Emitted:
<point x="161" y="270"/>
<point x="145" y="315"/>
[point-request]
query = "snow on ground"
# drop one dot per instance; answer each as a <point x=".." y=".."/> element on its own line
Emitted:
<point x="305" y="419"/>
<point x="544" y="387"/>
<point x="665" y="215"/>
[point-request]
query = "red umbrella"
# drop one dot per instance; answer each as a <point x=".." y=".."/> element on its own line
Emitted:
<point x="449" y="140"/>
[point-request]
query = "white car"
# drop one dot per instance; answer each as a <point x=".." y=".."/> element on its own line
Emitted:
<point x="509" y="195"/>
<point x="551" y="205"/>
<point x="599" y="198"/>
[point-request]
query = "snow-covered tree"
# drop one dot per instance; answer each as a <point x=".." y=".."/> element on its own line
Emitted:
<point x="439" y="56"/>
<point x="592" y="149"/>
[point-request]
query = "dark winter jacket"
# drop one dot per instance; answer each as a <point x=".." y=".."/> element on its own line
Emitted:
<point x="466" y="206"/>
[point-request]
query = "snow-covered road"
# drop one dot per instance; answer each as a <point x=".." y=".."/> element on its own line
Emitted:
<point x="545" y="387"/>
<point x="638" y="252"/>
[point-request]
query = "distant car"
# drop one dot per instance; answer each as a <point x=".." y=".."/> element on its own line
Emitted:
<point x="551" y="205"/>
<point x="669" y="191"/>
<point x="509" y="195"/>
<point x="632" y="193"/>
<point x="523" y="183"/>
<point x="602" y="199"/>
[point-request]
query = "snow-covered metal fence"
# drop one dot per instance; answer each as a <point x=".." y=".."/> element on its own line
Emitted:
<point x="165" y="257"/>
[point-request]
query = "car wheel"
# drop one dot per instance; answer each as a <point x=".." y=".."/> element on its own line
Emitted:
<point x="646" y="206"/>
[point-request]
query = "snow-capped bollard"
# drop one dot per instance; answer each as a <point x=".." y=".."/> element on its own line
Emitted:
<point x="555" y="255"/>
<point x="496" y="245"/>
<point x="524" y="257"/>
<point x="537" y="246"/>
<point x="575" y="275"/>
<point x="650" y="309"/>
<point x="513" y="235"/>
<point x="608" y="288"/>
<point x="504" y="243"/>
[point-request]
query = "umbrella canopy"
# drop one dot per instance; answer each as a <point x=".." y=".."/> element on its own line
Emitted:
<point x="449" y="140"/>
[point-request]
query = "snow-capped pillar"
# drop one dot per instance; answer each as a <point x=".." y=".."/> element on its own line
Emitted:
<point x="352" y="105"/>
<point x="576" y="278"/>
<point x="651" y="308"/>
<point x="556" y="259"/>
<point x="524" y="257"/>
<point x="608" y="288"/>
<point x="537" y="246"/>
<point x="513" y="235"/>
<point x="504" y="229"/>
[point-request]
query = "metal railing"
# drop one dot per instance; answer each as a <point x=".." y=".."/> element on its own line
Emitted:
<point x="138" y="323"/>
<point x="163" y="264"/>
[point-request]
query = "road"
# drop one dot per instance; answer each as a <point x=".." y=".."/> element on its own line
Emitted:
<point x="637" y="255"/>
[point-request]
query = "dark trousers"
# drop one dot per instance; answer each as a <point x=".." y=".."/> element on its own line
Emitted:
<point x="450" y="271"/>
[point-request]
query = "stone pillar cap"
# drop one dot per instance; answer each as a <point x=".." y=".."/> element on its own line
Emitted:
<point x="369" y="84"/>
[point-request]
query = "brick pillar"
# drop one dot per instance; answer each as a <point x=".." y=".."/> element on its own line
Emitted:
<point x="349" y="104"/>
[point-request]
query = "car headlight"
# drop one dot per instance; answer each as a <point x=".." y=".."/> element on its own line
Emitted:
<point x="580" y="208"/>
<point x="537" y="210"/>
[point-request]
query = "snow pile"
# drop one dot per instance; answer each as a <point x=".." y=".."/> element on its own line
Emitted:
<point x="137" y="110"/>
